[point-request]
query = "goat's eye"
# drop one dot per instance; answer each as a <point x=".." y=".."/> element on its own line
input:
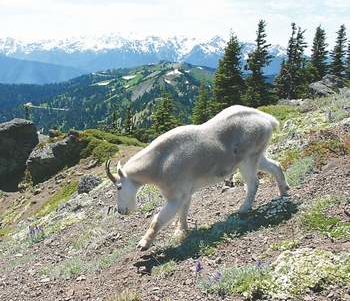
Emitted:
<point x="119" y="187"/>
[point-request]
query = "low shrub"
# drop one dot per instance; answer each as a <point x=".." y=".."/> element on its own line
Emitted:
<point x="317" y="218"/>
<point x="58" y="198"/>
<point x="126" y="295"/>
<point x="281" y="112"/>
<point x="297" y="172"/>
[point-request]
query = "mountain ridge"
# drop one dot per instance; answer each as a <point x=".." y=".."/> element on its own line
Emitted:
<point x="116" y="51"/>
<point x="20" y="71"/>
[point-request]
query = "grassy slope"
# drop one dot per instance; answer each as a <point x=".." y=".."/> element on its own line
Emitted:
<point x="303" y="239"/>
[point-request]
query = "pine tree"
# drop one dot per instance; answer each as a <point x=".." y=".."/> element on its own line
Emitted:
<point x="338" y="53"/>
<point x="291" y="80"/>
<point x="128" y="121"/>
<point x="228" y="82"/>
<point x="347" y="65"/>
<point x="318" y="66"/>
<point x="282" y="83"/>
<point x="163" y="116"/>
<point x="257" y="91"/>
<point x="200" y="112"/>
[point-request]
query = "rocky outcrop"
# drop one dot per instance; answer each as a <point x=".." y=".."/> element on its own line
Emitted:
<point x="329" y="84"/>
<point x="18" y="137"/>
<point x="46" y="160"/>
<point x="87" y="183"/>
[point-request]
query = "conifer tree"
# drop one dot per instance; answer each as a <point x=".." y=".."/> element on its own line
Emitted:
<point x="257" y="91"/>
<point x="228" y="82"/>
<point x="200" y="112"/>
<point x="291" y="80"/>
<point x="128" y="122"/>
<point x="347" y="65"/>
<point x="318" y="66"/>
<point x="164" y="115"/>
<point x="338" y="53"/>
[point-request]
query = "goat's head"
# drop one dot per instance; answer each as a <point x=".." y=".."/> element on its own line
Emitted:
<point x="126" y="189"/>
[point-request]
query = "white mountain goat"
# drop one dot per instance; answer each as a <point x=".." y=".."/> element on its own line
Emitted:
<point x="189" y="157"/>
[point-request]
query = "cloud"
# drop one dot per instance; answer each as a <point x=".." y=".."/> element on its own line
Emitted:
<point x="200" y="18"/>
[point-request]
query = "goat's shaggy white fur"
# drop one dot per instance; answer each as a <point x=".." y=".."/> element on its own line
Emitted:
<point x="189" y="157"/>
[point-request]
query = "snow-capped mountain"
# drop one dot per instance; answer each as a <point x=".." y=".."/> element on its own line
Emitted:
<point x="110" y="51"/>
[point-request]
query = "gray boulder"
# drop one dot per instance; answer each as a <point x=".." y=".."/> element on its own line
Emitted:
<point x="329" y="84"/>
<point x="18" y="138"/>
<point x="87" y="183"/>
<point x="46" y="160"/>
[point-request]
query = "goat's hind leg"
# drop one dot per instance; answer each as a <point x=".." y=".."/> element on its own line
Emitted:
<point x="273" y="167"/>
<point x="160" y="220"/>
<point x="248" y="170"/>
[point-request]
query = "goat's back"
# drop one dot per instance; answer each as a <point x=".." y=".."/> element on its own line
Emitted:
<point x="207" y="151"/>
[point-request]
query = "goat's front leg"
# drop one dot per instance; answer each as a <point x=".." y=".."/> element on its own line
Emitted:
<point x="182" y="226"/>
<point x="160" y="220"/>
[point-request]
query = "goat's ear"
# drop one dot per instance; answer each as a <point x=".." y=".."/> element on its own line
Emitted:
<point x="119" y="165"/>
<point x="120" y="171"/>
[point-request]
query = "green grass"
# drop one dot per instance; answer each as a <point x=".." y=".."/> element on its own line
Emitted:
<point x="297" y="172"/>
<point x="150" y="198"/>
<point x="289" y="156"/>
<point x="58" y="198"/>
<point x="111" y="138"/>
<point x="334" y="103"/>
<point x="281" y="112"/>
<point x="165" y="269"/>
<point x="103" y="145"/>
<point x="287" y="244"/>
<point x="317" y="218"/>
<point x="206" y="249"/>
<point x="4" y="231"/>
<point x="249" y="281"/>
<point x="125" y="295"/>
<point x="79" y="264"/>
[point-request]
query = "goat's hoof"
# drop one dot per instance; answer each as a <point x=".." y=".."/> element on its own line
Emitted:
<point x="143" y="245"/>
<point x="285" y="192"/>
<point x="244" y="210"/>
<point x="180" y="235"/>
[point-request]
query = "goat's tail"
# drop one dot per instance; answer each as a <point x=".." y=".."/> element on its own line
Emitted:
<point x="274" y="122"/>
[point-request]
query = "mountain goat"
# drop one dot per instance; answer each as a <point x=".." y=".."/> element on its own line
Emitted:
<point x="189" y="157"/>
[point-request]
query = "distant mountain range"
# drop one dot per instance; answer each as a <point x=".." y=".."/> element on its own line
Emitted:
<point x="16" y="71"/>
<point x="92" y="54"/>
<point x="90" y="100"/>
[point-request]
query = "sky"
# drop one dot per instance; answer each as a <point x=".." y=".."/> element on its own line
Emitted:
<point x="57" y="19"/>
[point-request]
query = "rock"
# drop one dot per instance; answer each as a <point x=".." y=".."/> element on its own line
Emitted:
<point x="291" y="102"/>
<point x="218" y="260"/>
<point x="18" y="138"/>
<point x="328" y="85"/>
<point x="38" y="190"/>
<point x="93" y="163"/>
<point x="45" y="280"/>
<point x="54" y="133"/>
<point x="47" y="160"/>
<point x="81" y="278"/>
<point x="76" y="203"/>
<point x="87" y="183"/>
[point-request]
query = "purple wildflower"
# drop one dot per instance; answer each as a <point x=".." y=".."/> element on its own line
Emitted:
<point x="258" y="263"/>
<point x="217" y="275"/>
<point x="198" y="266"/>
